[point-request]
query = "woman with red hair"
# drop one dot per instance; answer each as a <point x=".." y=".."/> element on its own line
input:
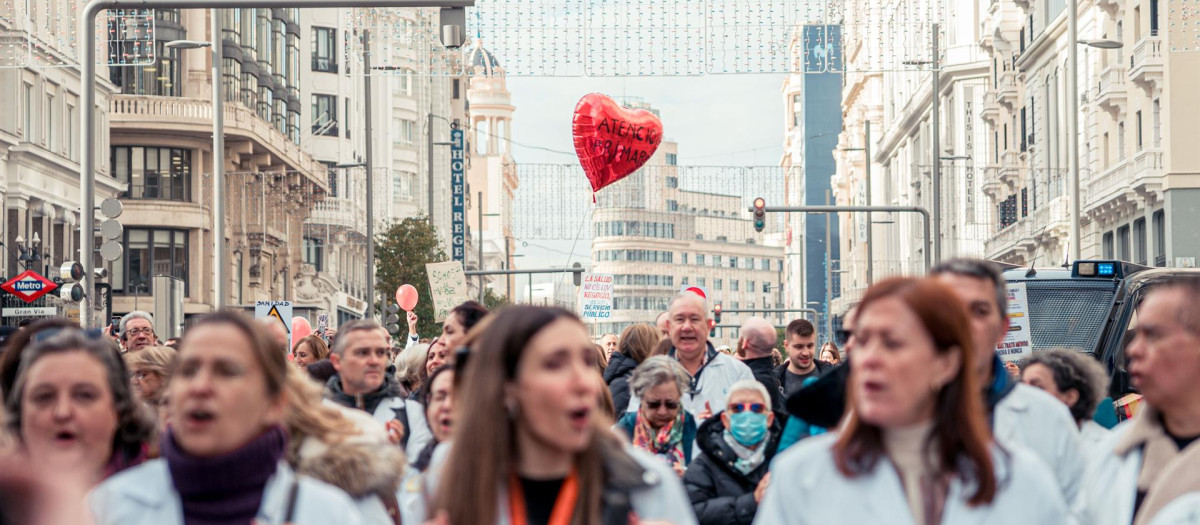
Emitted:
<point x="914" y="441"/>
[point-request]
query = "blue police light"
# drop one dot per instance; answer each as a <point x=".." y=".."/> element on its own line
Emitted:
<point x="1099" y="269"/>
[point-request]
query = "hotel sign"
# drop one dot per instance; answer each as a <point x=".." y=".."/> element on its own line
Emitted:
<point x="458" y="193"/>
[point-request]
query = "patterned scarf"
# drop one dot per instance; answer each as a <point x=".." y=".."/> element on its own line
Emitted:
<point x="666" y="442"/>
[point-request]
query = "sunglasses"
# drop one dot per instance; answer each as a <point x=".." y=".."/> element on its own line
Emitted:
<point x="654" y="405"/>
<point x="738" y="408"/>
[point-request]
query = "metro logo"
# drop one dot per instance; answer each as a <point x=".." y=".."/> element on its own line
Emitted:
<point x="29" y="286"/>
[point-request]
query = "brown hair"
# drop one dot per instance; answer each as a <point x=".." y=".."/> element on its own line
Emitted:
<point x="637" y="341"/>
<point x="10" y="354"/>
<point x="269" y="357"/>
<point x="800" y="327"/>
<point x="960" y="434"/>
<point x="601" y="358"/>
<point x="470" y="483"/>
<point x="308" y="416"/>
<point x="317" y="345"/>
<point x="662" y="348"/>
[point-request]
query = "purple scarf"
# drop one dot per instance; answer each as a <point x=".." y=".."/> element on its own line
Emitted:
<point x="228" y="489"/>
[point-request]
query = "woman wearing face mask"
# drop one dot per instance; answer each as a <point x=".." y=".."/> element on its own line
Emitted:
<point x="915" y="445"/>
<point x="726" y="481"/>
<point x="661" y="426"/>
<point x="223" y="453"/>
<point x="532" y="449"/>
<point x="73" y="412"/>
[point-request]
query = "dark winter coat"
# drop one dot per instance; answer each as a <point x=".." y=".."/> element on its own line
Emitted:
<point x="620" y="369"/>
<point x="781" y="376"/>
<point x="720" y="493"/>
<point x="764" y="373"/>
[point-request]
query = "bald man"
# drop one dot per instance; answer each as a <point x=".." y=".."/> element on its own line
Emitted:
<point x="664" y="324"/>
<point x="756" y="345"/>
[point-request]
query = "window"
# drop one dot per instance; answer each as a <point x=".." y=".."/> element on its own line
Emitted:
<point x="672" y="205"/>
<point x="766" y="287"/>
<point x="672" y="182"/>
<point x="324" y="46"/>
<point x="716" y="261"/>
<point x="73" y="135"/>
<point x="672" y="159"/>
<point x="683" y="257"/>
<point x="313" y="252"/>
<point x="1159" y="221"/>
<point x="1153" y="17"/>
<point x="1120" y="141"/>
<point x="733" y="262"/>
<point x="1123" y="252"/>
<point x="455" y="89"/>
<point x="765" y="264"/>
<point x="346" y="118"/>
<point x="160" y="79"/>
<point x="750" y="286"/>
<point x="152" y="172"/>
<point x="1157" y="123"/>
<point x="699" y="281"/>
<point x="150" y="252"/>
<point x="1138" y="129"/>
<point x="1106" y="245"/>
<point x="733" y="285"/>
<point x="700" y="259"/>
<point x="1139" y="241"/>
<point x="717" y="284"/>
<point x="402" y="185"/>
<point x="50" y="137"/>
<point x="28" y="128"/>
<point x="332" y="173"/>
<point x="324" y="113"/>
<point x="683" y="281"/>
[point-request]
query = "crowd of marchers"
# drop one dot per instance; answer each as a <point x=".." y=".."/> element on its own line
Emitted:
<point x="517" y="417"/>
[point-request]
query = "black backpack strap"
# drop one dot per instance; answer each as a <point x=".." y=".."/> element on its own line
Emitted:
<point x="291" y="499"/>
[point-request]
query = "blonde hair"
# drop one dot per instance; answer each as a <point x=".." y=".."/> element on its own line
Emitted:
<point x="157" y="359"/>
<point x="308" y="416"/>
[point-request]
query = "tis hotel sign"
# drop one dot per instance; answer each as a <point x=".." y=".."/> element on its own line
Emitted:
<point x="458" y="194"/>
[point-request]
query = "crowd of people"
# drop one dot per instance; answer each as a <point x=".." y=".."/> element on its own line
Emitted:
<point x="905" y="415"/>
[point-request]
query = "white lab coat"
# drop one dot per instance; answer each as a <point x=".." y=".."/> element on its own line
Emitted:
<point x="665" y="500"/>
<point x="419" y="434"/>
<point x="1030" y="417"/>
<point x="146" y="495"/>
<point x="721" y="372"/>
<point x="807" y="487"/>
<point x="1091" y="437"/>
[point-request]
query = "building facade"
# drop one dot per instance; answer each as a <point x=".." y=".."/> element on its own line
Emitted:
<point x="1137" y="188"/>
<point x="890" y="86"/>
<point x="40" y="137"/>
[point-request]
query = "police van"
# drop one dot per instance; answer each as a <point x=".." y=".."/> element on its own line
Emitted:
<point x="1091" y="306"/>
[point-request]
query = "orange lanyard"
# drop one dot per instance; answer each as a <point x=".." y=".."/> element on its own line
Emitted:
<point x="564" y="505"/>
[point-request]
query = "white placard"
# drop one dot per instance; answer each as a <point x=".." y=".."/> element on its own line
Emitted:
<point x="1017" y="344"/>
<point x="596" y="296"/>
<point x="448" y="285"/>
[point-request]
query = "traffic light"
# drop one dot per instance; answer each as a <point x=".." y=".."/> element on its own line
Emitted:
<point x="717" y="313"/>
<point x="577" y="275"/>
<point x="760" y="214"/>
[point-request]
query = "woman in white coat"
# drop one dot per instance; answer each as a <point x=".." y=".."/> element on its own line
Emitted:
<point x="529" y="443"/>
<point x="223" y="452"/>
<point x="915" y="446"/>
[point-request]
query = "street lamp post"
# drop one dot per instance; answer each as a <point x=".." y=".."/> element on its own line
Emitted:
<point x="218" y="155"/>
<point x="936" y="143"/>
<point x="866" y="149"/>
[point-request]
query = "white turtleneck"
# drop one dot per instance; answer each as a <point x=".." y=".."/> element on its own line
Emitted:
<point x="906" y="448"/>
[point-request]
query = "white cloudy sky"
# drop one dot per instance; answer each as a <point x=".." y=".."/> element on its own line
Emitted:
<point x="726" y="120"/>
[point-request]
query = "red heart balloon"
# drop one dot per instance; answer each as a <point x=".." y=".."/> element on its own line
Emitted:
<point x="613" y="141"/>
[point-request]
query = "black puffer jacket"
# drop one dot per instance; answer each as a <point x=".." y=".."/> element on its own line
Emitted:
<point x="620" y="369"/>
<point x="720" y="493"/>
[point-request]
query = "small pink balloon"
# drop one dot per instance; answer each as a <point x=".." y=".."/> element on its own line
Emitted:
<point x="406" y="297"/>
<point x="300" y="329"/>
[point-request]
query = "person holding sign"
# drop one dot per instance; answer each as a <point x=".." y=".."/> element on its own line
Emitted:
<point x="1019" y="413"/>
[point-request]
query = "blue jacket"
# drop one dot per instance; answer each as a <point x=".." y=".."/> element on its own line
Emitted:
<point x="629" y="420"/>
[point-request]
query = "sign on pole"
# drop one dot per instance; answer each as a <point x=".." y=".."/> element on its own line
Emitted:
<point x="448" y="285"/>
<point x="1016" y="344"/>
<point x="596" y="296"/>
<point x="281" y="310"/>
<point x="458" y="194"/>
<point x="29" y="286"/>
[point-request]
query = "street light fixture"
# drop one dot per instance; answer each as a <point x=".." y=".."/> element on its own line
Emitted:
<point x="1102" y="44"/>
<point x="218" y="154"/>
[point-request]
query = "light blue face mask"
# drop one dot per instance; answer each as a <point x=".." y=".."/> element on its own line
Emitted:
<point x="748" y="428"/>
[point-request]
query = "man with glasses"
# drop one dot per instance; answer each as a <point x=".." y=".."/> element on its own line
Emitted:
<point x="712" y="372"/>
<point x="136" y="331"/>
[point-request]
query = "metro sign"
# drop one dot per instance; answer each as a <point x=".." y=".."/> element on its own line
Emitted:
<point x="29" y="286"/>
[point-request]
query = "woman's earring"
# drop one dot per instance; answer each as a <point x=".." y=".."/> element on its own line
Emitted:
<point x="514" y="409"/>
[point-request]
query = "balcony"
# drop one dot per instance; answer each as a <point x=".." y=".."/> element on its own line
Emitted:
<point x="1010" y="169"/>
<point x="1110" y="93"/>
<point x="338" y="212"/>
<point x="1146" y="63"/>
<point x="1106" y="187"/>
<point x="991" y="108"/>
<point x="1109" y="6"/>
<point x="990" y="183"/>
<point x="194" y="117"/>
<point x="1147" y="176"/>
<point x="1008" y="92"/>
<point x="1006" y="244"/>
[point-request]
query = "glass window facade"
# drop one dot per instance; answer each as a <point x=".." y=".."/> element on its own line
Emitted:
<point x="150" y="252"/>
<point x="324" y="54"/>
<point x="660" y="230"/>
<point x="153" y="173"/>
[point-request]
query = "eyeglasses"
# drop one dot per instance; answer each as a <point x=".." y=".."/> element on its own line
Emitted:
<point x="738" y="408"/>
<point x="654" y="405"/>
<point x="139" y="331"/>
